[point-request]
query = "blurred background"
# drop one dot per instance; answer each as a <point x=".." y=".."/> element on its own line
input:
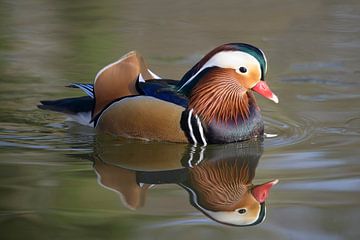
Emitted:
<point x="48" y="187"/>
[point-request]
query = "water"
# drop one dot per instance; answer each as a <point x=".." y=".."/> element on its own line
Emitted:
<point x="48" y="185"/>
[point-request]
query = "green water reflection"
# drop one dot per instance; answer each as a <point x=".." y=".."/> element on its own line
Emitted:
<point x="48" y="187"/>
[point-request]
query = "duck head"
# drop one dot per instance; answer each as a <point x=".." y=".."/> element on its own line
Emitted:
<point x="219" y="86"/>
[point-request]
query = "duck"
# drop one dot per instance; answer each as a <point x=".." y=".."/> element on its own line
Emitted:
<point x="213" y="103"/>
<point x="218" y="178"/>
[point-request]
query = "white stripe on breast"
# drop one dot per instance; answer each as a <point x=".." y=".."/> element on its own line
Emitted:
<point x="201" y="130"/>
<point x="190" y="127"/>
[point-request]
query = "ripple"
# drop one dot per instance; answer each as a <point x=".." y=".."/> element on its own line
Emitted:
<point x="318" y="81"/>
<point x="327" y="97"/>
<point x="182" y="222"/>
<point x="301" y="161"/>
<point x="338" y="185"/>
<point x="353" y="124"/>
<point x="19" y="145"/>
<point x="17" y="137"/>
<point x="314" y="66"/>
<point x="288" y="131"/>
<point x="339" y="131"/>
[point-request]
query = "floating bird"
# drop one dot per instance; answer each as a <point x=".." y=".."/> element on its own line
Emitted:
<point x="212" y="103"/>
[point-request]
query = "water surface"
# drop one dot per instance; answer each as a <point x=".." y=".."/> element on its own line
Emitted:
<point x="48" y="185"/>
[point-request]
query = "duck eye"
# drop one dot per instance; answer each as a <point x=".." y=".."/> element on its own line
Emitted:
<point x="243" y="69"/>
<point x="242" y="211"/>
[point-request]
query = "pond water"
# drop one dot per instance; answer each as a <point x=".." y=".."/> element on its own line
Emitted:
<point x="52" y="183"/>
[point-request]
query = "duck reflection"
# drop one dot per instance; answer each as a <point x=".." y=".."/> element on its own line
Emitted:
<point x="218" y="178"/>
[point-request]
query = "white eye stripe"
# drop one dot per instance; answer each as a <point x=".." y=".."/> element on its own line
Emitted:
<point x="229" y="59"/>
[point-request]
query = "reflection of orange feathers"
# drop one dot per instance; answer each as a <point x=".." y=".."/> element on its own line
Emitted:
<point x="121" y="181"/>
<point x="221" y="184"/>
<point x="220" y="96"/>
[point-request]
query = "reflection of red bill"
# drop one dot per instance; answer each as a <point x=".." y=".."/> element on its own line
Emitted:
<point x="261" y="192"/>
<point x="263" y="89"/>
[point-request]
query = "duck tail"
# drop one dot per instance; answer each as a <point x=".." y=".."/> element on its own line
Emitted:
<point x="77" y="109"/>
<point x="68" y="105"/>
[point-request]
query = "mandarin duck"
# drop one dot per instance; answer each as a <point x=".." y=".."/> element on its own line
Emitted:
<point x="218" y="179"/>
<point x="212" y="103"/>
